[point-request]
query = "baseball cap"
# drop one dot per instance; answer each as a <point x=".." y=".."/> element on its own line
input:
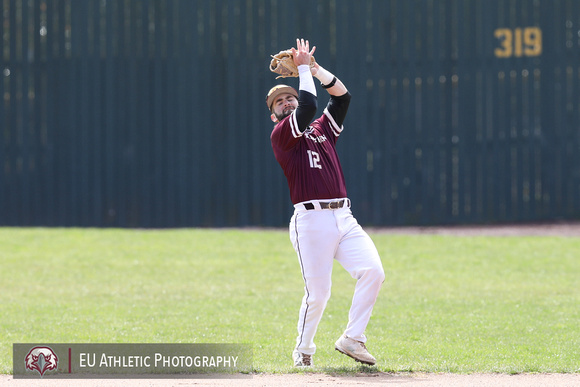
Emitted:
<point x="276" y="91"/>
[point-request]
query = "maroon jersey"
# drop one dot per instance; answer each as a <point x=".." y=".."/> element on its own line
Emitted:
<point x="309" y="158"/>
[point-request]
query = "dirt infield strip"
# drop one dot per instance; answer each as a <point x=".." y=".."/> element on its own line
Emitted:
<point x="319" y="380"/>
<point x="570" y="229"/>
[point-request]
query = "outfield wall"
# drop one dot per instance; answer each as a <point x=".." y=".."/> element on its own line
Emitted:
<point x="143" y="113"/>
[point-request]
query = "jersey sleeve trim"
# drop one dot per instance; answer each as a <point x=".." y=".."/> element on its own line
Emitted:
<point x="334" y="126"/>
<point x="296" y="133"/>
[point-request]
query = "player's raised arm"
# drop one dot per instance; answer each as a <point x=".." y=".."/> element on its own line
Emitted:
<point x="308" y="104"/>
<point x="339" y="95"/>
<point x="328" y="81"/>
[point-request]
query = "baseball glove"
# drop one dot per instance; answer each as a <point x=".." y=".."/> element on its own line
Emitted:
<point x="283" y="64"/>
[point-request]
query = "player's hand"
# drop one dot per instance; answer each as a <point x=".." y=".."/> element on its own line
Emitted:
<point x="314" y="69"/>
<point x="302" y="53"/>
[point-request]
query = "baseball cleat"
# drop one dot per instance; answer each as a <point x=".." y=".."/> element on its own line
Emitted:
<point x="354" y="349"/>
<point x="301" y="359"/>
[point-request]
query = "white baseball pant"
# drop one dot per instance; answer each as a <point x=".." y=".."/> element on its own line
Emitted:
<point x="319" y="236"/>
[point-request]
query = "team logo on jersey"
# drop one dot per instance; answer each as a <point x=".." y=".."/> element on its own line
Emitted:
<point x="41" y="359"/>
<point x="309" y="134"/>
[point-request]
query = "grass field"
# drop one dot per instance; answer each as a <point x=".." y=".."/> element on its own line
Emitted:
<point x="449" y="304"/>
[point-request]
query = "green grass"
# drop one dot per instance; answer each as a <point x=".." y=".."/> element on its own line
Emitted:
<point x="449" y="304"/>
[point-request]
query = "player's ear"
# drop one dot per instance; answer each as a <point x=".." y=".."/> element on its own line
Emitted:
<point x="273" y="117"/>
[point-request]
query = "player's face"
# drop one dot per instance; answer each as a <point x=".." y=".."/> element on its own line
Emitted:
<point x="284" y="105"/>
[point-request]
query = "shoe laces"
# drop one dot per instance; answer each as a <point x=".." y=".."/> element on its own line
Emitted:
<point x="306" y="359"/>
<point x="363" y="346"/>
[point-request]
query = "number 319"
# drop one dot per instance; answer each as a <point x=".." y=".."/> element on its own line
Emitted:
<point x="518" y="42"/>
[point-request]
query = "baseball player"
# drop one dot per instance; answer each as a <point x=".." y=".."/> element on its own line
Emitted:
<point x="322" y="227"/>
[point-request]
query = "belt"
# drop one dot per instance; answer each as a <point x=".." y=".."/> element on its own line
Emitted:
<point x="328" y="205"/>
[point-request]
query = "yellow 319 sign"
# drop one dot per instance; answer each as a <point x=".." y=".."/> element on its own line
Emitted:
<point x="518" y="42"/>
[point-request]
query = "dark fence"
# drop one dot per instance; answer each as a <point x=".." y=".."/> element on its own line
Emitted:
<point x="151" y="113"/>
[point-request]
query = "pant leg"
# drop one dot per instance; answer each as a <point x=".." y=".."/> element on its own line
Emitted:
<point x="314" y="236"/>
<point x="358" y="255"/>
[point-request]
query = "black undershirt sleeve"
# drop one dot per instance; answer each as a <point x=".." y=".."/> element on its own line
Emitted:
<point x="307" y="106"/>
<point x="338" y="106"/>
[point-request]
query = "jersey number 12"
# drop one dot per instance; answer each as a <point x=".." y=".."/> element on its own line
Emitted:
<point x="314" y="159"/>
